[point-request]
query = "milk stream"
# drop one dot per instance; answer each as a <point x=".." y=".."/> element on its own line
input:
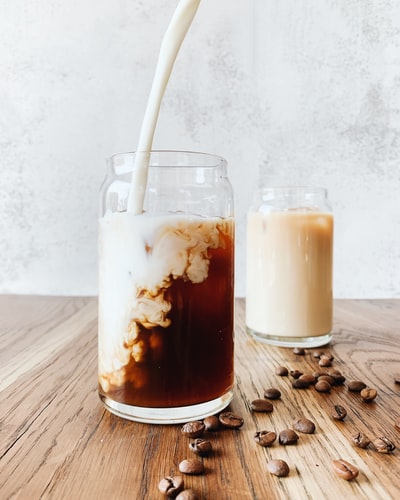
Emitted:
<point x="171" y="43"/>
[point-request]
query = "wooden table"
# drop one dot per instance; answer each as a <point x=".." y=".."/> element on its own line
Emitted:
<point x="58" y="442"/>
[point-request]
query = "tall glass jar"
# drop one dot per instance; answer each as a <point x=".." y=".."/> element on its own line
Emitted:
<point x="166" y="289"/>
<point x="289" y="266"/>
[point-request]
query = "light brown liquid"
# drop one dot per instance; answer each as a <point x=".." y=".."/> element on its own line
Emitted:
<point x="289" y="273"/>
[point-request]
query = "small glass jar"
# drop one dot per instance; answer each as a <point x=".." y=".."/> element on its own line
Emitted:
<point x="289" y="299"/>
<point x="166" y="289"/>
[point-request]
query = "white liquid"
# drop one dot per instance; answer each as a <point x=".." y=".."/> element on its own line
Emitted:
<point x="289" y="273"/>
<point x="173" y="38"/>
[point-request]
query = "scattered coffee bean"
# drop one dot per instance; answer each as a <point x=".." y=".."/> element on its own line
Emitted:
<point x="383" y="445"/>
<point x="201" y="446"/>
<point x="339" y="412"/>
<point x="397" y="423"/>
<point x="327" y="378"/>
<point x="317" y="354"/>
<point x="308" y="377"/>
<point x="288" y="436"/>
<point x="278" y="468"/>
<point x="296" y="373"/>
<point x="261" y="405"/>
<point x="300" y="383"/>
<point x="230" y="420"/>
<point x="272" y="393"/>
<point x="360" y="440"/>
<point x="356" y="385"/>
<point x="282" y="371"/>
<point x="304" y="425"/>
<point x="299" y="351"/>
<point x="323" y="386"/>
<point x="193" y="429"/>
<point x="319" y="374"/>
<point x="264" y="438"/>
<point x="368" y="394"/>
<point x="171" y="485"/>
<point x="337" y="376"/>
<point x="187" y="495"/>
<point x="211" y="423"/>
<point x="329" y="355"/>
<point x="324" y="361"/>
<point x="344" y="469"/>
<point x="191" y="466"/>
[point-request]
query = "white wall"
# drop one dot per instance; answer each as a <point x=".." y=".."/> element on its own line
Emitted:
<point x="295" y="90"/>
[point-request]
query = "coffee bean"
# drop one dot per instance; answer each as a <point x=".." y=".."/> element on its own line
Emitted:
<point x="278" y="468"/>
<point x="368" y="394"/>
<point x="338" y="412"/>
<point x="397" y="423"/>
<point x="344" y="469"/>
<point x="323" y="386"/>
<point x="193" y="429"/>
<point x="264" y="438"/>
<point x="299" y="351"/>
<point x="329" y="355"/>
<point x="324" y="361"/>
<point x="272" y="393"/>
<point x="191" y="466"/>
<point x="327" y="378"/>
<point x="396" y="378"/>
<point x="171" y="485"/>
<point x="304" y="425"/>
<point x="200" y="446"/>
<point x="288" y="436"/>
<point x="317" y="354"/>
<point x="261" y="405"/>
<point x="282" y="371"/>
<point x="296" y="373"/>
<point x="188" y="495"/>
<point x="300" y="383"/>
<point x="356" y="385"/>
<point x="383" y="445"/>
<point x="230" y="420"/>
<point x="360" y="440"/>
<point x="309" y="378"/>
<point x="211" y="423"/>
<point x="337" y="376"/>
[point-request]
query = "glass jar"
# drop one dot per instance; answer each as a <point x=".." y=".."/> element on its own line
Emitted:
<point x="166" y="289"/>
<point x="289" y="267"/>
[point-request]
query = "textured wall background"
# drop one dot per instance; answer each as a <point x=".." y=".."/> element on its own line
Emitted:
<point x="293" y="90"/>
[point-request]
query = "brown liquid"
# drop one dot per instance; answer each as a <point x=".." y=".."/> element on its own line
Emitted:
<point x="191" y="361"/>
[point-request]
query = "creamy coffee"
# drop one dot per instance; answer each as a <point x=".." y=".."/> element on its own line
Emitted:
<point x="289" y="273"/>
<point x="166" y="309"/>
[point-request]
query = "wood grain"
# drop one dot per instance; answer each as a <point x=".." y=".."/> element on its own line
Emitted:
<point x="57" y="441"/>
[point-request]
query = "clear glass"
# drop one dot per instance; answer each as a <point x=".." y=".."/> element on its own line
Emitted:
<point x="289" y="299"/>
<point x="166" y="289"/>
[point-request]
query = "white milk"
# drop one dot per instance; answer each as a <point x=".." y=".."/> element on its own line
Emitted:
<point x="289" y="273"/>
<point x="172" y="41"/>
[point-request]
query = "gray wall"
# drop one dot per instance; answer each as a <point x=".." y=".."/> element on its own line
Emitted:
<point x="291" y="90"/>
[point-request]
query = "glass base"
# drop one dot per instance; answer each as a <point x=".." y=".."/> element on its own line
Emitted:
<point x="277" y="340"/>
<point x="176" y="415"/>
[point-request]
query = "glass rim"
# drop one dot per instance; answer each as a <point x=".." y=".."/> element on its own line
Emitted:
<point x="218" y="160"/>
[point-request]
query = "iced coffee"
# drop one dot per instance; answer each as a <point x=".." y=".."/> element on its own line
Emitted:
<point x="289" y="268"/>
<point x="166" y="298"/>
